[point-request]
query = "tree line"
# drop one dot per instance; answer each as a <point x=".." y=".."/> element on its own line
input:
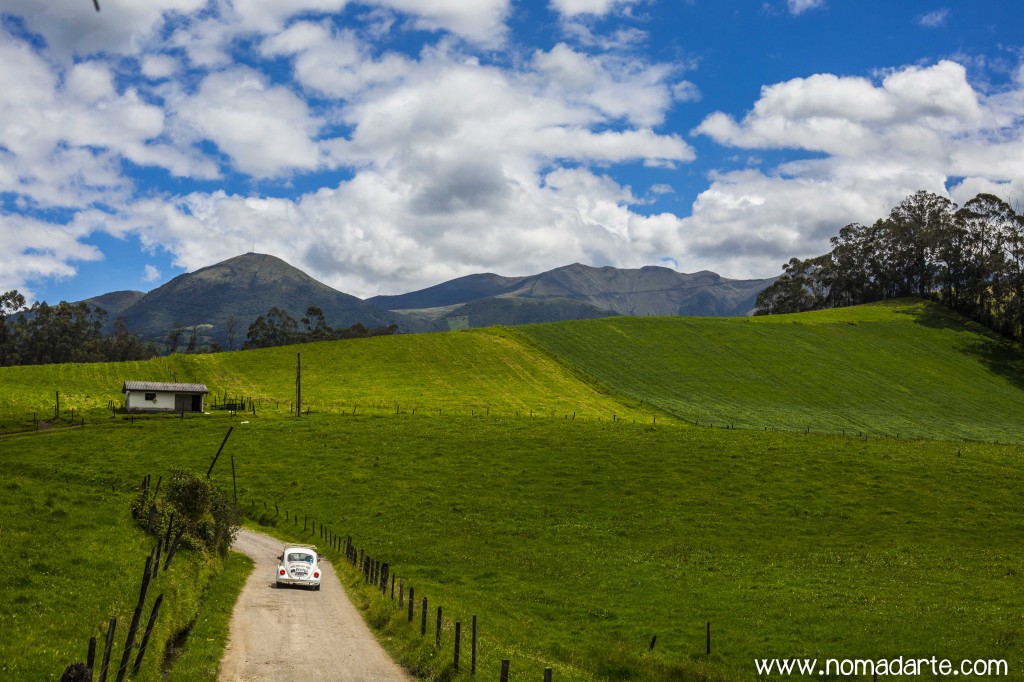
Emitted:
<point x="970" y="259"/>
<point x="67" y="332"/>
<point x="73" y="332"/>
<point x="278" y="328"/>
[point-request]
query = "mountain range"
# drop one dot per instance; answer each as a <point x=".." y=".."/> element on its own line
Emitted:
<point x="222" y="300"/>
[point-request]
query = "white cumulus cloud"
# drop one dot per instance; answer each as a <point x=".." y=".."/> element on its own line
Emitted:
<point x="917" y="128"/>
<point x="573" y="8"/>
<point x="801" y="6"/>
<point x="934" y="19"/>
<point x="266" y="129"/>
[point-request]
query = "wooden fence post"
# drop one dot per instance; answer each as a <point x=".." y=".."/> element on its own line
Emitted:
<point x="423" y="618"/>
<point x="472" y="670"/>
<point x="106" y="649"/>
<point x="504" y="670"/>
<point x="90" y="660"/>
<point x="136" y="617"/>
<point x="458" y="641"/>
<point x="149" y="631"/>
<point x="411" y="603"/>
<point x="707" y="649"/>
<point x="547" y="674"/>
<point x="174" y="547"/>
<point x="222" y="444"/>
<point x="437" y="639"/>
<point x="156" y="562"/>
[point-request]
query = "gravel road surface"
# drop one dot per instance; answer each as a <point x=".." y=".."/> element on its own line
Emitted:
<point x="295" y="633"/>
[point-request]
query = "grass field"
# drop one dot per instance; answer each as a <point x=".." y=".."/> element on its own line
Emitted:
<point x="71" y="557"/>
<point x="904" y="368"/>
<point x="460" y="372"/>
<point x="577" y="541"/>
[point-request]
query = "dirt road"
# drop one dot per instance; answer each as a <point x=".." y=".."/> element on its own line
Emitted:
<point x="296" y="633"/>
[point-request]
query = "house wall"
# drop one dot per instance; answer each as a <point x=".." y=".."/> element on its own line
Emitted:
<point x="188" y="402"/>
<point x="136" y="401"/>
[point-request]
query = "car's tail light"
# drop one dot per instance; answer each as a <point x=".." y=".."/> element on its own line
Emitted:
<point x="282" y="571"/>
<point x="316" y="574"/>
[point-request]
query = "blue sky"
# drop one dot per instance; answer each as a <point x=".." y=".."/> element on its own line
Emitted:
<point x="387" y="145"/>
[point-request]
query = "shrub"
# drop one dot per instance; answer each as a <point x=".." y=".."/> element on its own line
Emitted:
<point x="210" y="517"/>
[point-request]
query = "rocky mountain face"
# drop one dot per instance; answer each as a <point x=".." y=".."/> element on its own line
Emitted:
<point x="222" y="300"/>
<point x="579" y="291"/>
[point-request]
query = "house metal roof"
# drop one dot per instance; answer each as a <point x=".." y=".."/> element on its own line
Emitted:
<point x="163" y="386"/>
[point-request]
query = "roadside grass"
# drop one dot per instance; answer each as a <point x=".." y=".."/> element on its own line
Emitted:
<point x="204" y="646"/>
<point x="908" y="368"/>
<point x="71" y="558"/>
<point x="471" y="372"/>
<point x="577" y="542"/>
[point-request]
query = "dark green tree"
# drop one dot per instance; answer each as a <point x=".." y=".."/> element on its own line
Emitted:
<point x="316" y="328"/>
<point x="11" y="303"/>
<point x="174" y="338"/>
<point x="277" y="328"/>
<point x="799" y="289"/>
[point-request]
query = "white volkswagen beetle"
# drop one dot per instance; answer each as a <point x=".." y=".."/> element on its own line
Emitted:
<point x="299" y="566"/>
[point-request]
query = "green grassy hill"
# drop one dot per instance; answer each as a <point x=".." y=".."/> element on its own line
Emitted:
<point x="577" y="541"/>
<point x="481" y="371"/>
<point x="906" y="368"/>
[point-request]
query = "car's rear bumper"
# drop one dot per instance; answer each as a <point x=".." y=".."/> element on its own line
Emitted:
<point x="308" y="582"/>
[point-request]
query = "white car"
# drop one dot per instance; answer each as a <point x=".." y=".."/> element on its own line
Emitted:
<point x="299" y="566"/>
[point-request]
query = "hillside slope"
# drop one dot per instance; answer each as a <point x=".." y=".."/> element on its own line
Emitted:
<point x="904" y="368"/>
<point x="480" y="371"/>
<point x="907" y="368"/>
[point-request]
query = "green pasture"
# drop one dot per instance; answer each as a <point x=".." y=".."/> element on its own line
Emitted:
<point x="900" y="368"/>
<point x="71" y="558"/>
<point x="537" y="478"/>
<point x="577" y="542"/>
<point x="472" y="372"/>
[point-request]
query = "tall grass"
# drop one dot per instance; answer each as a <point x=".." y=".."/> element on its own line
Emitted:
<point x="906" y="368"/>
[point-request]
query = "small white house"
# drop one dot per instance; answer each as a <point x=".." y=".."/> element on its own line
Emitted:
<point x="158" y="396"/>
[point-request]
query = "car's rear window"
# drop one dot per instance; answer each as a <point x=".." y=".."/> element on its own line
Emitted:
<point x="301" y="556"/>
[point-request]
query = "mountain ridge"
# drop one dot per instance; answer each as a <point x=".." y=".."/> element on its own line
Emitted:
<point x="220" y="301"/>
<point x="225" y="298"/>
<point x="649" y="290"/>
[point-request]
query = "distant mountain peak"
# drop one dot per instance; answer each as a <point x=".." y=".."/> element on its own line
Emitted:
<point x="607" y="290"/>
<point x="228" y="296"/>
<point x="225" y="298"/>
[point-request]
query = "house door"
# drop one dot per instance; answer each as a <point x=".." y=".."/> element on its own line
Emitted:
<point x="197" y="403"/>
